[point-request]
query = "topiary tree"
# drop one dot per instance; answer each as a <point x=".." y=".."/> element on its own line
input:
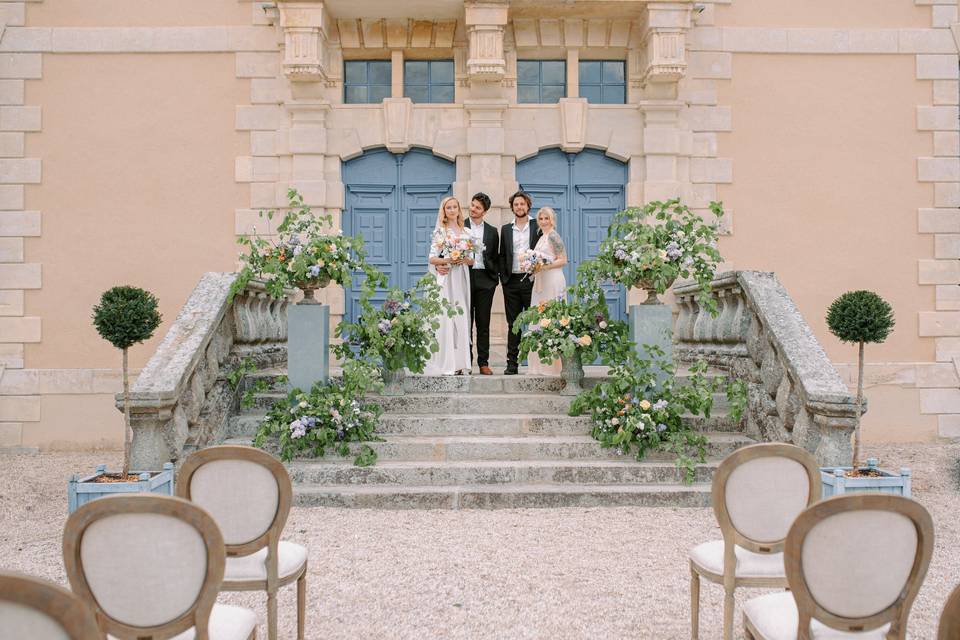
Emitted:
<point x="124" y="317"/>
<point x="860" y="317"/>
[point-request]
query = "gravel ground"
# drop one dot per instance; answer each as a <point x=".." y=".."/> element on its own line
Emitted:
<point x="537" y="573"/>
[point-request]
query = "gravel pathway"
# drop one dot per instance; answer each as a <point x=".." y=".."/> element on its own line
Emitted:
<point x="537" y="573"/>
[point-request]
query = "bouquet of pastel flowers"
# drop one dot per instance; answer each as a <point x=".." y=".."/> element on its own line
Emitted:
<point x="531" y="261"/>
<point x="456" y="248"/>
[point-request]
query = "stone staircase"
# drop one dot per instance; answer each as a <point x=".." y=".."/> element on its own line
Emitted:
<point x="494" y="442"/>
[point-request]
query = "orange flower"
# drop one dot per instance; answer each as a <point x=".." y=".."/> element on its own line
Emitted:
<point x="541" y="307"/>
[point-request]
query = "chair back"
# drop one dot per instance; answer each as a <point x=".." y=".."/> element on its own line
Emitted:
<point x="246" y="490"/>
<point x="40" y="610"/>
<point x="856" y="562"/>
<point x="950" y="618"/>
<point x="759" y="490"/>
<point x="147" y="564"/>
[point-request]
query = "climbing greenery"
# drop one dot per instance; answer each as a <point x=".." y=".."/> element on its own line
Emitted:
<point x="860" y="316"/>
<point x="126" y="316"/>
<point x="333" y="416"/>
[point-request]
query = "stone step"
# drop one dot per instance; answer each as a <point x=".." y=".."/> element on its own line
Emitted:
<point x="418" y="473"/>
<point x="488" y="425"/>
<point x="465" y="404"/>
<point x="519" y="496"/>
<point x="533" y="447"/>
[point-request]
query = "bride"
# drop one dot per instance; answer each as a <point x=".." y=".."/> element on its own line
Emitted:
<point x="453" y="276"/>
<point x="549" y="282"/>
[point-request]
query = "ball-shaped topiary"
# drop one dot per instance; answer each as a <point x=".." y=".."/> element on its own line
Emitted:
<point x="860" y="316"/>
<point x="126" y="316"/>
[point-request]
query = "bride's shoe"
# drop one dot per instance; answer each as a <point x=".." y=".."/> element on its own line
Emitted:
<point x="458" y="372"/>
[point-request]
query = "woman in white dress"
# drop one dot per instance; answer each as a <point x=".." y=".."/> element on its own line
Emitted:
<point x="453" y="276"/>
<point x="549" y="282"/>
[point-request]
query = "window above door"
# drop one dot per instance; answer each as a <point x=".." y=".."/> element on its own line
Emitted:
<point x="541" y="81"/>
<point x="366" y="81"/>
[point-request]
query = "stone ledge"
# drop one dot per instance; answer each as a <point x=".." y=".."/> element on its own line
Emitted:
<point x="138" y="39"/>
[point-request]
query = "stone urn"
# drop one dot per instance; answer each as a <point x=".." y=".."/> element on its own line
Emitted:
<point x="571" y="370"/>
<point x="309" y="287"/>
<point x="393" y="381"/>
<point x="647" y="285"/>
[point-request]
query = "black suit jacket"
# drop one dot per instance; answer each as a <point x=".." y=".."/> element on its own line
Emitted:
<point x="506" y="247"/>
<point x="491" y="256"/>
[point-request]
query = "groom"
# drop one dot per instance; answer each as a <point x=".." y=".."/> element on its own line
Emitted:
<point x="515" y="238"/>
<point x="484" y="276"/>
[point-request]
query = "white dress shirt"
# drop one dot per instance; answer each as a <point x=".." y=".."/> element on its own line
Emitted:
<point x="521" y="243"/>
<point x="476" y="232"/>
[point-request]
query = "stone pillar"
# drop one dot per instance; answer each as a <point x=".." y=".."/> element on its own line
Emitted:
<point x="308" y="345"/>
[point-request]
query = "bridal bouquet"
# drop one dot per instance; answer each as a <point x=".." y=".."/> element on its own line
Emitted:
<point x="455" y="248"/>
<point x="531" y="261"/>
<point x="304" y="252"/>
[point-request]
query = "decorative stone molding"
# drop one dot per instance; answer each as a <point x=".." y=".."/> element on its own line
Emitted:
<point x="378" y="33"/>
<point x="181" y="400"/>
<point x="573" y="124"/>
<point x="660" y="52"/>
<point x="305" y="32"/>
<point x="396" y="120"/>
<point x="794" y="393"/>
<point x="572" y="32"/>
<point x="485" y="27"/>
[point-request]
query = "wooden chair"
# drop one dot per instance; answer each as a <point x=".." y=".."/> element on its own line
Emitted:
<point x="248" y="493"/>
<point x="854" y="564"/>
<point x="150" y="566"/>
<point x="950" y="618"/>
<point x="757" y="492"/>
<point x="40" y="610"/>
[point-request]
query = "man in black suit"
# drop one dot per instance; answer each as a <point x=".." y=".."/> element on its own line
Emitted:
<point x="484" y="276"/>
<point x="516" y="237"/>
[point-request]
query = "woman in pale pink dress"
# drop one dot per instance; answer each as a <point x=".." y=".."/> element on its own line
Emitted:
<point x="549" y="282"/>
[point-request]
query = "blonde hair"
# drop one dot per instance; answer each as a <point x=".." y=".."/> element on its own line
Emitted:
<point x="441" y="218"/>
<point x="550" y="214"/>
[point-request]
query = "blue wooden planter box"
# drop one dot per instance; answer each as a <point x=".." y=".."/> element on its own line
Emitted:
<point x="82" y="490"/>
<point x="836" y="483"/>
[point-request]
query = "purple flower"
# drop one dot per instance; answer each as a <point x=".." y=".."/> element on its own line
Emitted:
<point x="313" y="271"/>
<point x="391" y="307"/>
<point x="297" y="429"/>
<point x="660" y="405"/>
<point x="309" y="422"/>
<point x="620" y="254"/>
<point x="383" y="326"/>
<point x="661" y="427"/>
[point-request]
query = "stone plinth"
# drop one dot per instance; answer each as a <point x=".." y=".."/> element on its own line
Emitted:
<point x="308" y="346"/>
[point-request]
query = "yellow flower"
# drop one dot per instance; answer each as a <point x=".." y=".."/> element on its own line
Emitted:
<point x="545" y="322"/>
<point x="321" y="263"/>
<point x="644" y="404"/>
<point x="586" y="341"/>
<point x="564" y="321"/>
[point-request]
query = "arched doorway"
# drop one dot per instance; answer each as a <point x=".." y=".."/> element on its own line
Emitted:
<point x="392" y="200"/>
<point x="585" y="189"/>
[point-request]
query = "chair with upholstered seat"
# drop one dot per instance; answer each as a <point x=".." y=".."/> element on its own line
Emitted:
<point x="854" y="563"/>
<point x="40" y="610"/>
<point x="248" y="492"/>
<point x="757" y="492"/>
<point x="950" y="618"/>
<point x="150" y="566"/>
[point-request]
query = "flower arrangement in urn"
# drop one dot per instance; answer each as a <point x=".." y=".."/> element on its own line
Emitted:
<point x="331" y="416"/>
<point x="651" y="246"/>
<point x="304" y="253"/>
<point x="399" y="334"/>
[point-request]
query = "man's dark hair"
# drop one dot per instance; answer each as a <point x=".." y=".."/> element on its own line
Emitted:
<point x="525" y="196"/>
<point x="483" y="199"/>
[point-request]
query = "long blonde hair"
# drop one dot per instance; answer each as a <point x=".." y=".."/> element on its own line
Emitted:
<point x="441" y="218"/>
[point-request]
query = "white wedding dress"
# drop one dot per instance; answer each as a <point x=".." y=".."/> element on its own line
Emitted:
<point x="454" y="333"/>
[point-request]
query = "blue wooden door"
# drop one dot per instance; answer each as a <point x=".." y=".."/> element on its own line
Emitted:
<point x="392" y="200"/>
<point x="585" y="189"/>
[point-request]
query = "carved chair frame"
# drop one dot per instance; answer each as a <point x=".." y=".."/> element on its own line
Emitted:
<point x="53" y="601"/>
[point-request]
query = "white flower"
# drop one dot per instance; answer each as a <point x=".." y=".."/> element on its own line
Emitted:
<point x="297" y="250"/>
<point x="603" y="324"/>
<point x="303" y="404"/>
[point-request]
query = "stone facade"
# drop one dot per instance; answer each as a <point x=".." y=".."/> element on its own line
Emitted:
<point x="678" y="133"/>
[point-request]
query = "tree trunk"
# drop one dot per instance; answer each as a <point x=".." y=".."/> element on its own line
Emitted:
<point x="126" y="418"/>
<point x="856" y="430"/>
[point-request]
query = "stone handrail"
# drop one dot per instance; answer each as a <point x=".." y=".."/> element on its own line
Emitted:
<point x="181" y="399"/>
<point x="794" y="392"/>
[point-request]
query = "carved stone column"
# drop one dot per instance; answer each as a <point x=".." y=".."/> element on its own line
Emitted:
<point x="485" y="25"/>
<point x="306" y="28"/>
<point x="658" y="53"/>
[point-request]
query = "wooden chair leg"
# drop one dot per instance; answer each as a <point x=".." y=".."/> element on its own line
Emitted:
<point x="728" y="614"/>
<point x="272" y="615"/>
<point x="694" y="604"/>
<point x="301" y="604"/>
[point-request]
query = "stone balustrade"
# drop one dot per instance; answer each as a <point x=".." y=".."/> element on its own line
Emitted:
<point x="181" y="400"/>
<point x="794" y="393"/>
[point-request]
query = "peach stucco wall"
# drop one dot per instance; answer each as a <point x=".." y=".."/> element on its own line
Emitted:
<point x="825" y="194"/>
<point x="139" y="13"/>
<point x="138" y="188"/>
<point x="861" y="14"/>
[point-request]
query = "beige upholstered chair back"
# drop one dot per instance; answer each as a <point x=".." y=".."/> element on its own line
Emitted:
<point x="39" y="610"/>
<point x="759" y="490"/>
<point x="950" y="618"/>
<point x="246" y="490"/>
<point x="856" y="562"/>
<point x="148" y="564"/>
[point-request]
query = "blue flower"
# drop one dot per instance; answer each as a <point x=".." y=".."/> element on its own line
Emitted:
<point x="313" y="271"/>
<point x="661" y="427"/>
<point x="660" y="405"/>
